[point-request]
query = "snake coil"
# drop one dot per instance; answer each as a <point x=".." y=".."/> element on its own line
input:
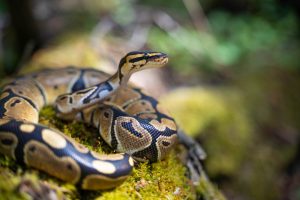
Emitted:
<point x="127" y="119"/>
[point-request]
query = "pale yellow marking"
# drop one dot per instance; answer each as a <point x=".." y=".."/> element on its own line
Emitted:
<point x="3" y="95"/>
<point x="21" y="110"/>
<point x="119" y="156"/>
<point x="27" y="128"/>
<point x="27" y="88"/>
<point x="94" y="77"/>
<point x="163" y="150"/>
<point x="38" y="155"/>
<point x="148" y="116"/>
<point x="131" y="162"/>
<point x="54" y="139"/>
<point x="4" y="121"/>
<point x="161" y="109"/>
<point x="125" y="96"/>
<point x="105" y="125"/>
<point x="104" y="167"/>
<point x="139" y="107"/>
<point x="161" y="126"/>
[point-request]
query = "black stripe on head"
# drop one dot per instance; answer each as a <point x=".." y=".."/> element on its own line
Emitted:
<point x="122" y="62"/>
<point x="144" y="53"/>
<point x="147" y="56"/>
<point x="133" y="60"/>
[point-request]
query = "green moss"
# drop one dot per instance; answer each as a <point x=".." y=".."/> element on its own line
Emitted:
<point x="154" y="181"/>
<point x="14" y="183"/>
<point x="8" y="184"/>
<point x="161" y="180"/>
<point x="207" y="190"/>
<point x="217" y="116"/>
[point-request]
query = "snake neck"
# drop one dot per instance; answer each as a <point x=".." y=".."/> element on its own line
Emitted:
<point x="68" y="104"/>
<point x="119" y="79"/>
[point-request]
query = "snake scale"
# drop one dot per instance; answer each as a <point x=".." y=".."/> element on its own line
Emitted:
<point x="128" y="120"/>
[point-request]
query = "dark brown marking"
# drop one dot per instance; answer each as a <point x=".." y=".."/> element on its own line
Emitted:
<point x="106" y="114"/>
<point x="63" y="97"/>
<point x="7" y="142"/>
<point x="165" y="143"/>
<point x="32" y="148"/>
<point x="15" y="102"/>
<point x="69" y="166"/>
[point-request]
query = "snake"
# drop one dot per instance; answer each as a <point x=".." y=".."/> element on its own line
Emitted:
<point x="130" y="121"/>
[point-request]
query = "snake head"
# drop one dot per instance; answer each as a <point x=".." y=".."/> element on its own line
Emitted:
<point x="140" y="60"/>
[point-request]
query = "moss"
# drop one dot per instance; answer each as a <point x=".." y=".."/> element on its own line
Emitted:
<point x="154" y="181"/>
<point x="162" y="180"/>
<point x="207" y="190"/>
<point x="8" y="184"/>
<point x="231" y="122"/>
<point x="13" y="184"/>
<point x="218" y="117"/>
<point x="165" y="179"/>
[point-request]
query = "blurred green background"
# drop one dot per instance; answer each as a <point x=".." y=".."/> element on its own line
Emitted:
<point x="232" y="81"/>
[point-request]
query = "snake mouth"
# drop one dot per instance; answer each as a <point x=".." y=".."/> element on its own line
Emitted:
<point x="165" y="60"/>
<point x="158" y="59"/>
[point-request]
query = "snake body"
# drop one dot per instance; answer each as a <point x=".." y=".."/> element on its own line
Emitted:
<point x="127" y="119"/>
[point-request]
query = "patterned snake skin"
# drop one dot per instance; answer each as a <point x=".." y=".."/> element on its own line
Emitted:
<point x="127" y="119"/>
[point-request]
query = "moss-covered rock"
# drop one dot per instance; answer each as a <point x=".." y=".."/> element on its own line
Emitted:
<point x="244" y="156"/>
<point x="219" y="118"/>
<point x="162" y="180"/>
